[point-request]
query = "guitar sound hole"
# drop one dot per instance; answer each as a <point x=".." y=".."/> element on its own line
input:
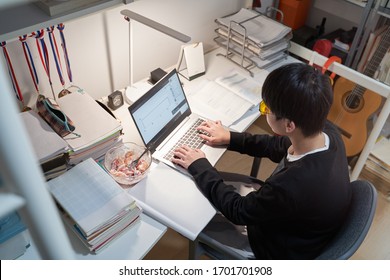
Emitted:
<point x="352" y="102"/>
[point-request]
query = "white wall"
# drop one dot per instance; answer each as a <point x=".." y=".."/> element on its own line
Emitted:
<point x="98" y="44"/>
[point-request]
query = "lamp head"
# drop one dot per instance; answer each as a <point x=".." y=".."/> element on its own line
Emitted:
<point x="155" y="25"/>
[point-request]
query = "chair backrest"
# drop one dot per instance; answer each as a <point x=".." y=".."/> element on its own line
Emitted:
<point x="358" y="221"/>
<point x="341" y="247"/>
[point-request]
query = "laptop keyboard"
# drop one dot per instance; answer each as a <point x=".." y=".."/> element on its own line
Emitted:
<point x="190" y="138"/>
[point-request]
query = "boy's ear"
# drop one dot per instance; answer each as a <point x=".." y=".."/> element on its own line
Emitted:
<point x="289" y="126"/>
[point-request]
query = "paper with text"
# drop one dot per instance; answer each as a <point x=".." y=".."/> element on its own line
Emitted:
<point x="216" y="102"/>
<point x="243" y="86"/>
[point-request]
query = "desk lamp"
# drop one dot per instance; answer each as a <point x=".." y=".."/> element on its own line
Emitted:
<point x="130" y="15"/>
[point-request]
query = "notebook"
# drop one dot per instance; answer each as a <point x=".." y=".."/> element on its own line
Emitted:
<point x="163" y="115"/>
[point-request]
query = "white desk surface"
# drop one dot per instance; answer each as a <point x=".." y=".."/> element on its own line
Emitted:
<point x="215" y="67"/>
<point x="169" y="200"/>
<point x="134" y="244"/>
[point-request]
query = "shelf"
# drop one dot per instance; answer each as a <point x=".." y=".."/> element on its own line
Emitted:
<point x="359" y="3"/>
<point x="384" y="12"/>
<point x="23" y="19"/>
<point x="133" y="244"/>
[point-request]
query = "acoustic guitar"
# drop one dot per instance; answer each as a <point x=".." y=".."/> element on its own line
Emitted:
<point x="353" y="104"/>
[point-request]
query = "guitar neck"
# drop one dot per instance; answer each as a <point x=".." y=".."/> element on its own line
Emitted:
<point x="378" y="55"/>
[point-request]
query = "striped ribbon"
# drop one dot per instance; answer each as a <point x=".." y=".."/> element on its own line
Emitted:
<point x="54" y="48"/>
<point x="11" y="73"/>
<point x="43" y="54"/>
<point x="61" y="28"/>
<point x="30" y="61"/>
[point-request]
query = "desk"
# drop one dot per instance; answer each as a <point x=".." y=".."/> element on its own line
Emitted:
<point x="165" y="194"/>
<point x="215" y="67"/>
<point x="134" y="244"/>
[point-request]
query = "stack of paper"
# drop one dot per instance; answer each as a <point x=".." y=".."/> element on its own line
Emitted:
<point x="94" y="205"/>
<point x="50" y="149"/>
<point x="249" y="34"/>
<point x="261" y="30"/>
<point x="378" y="162"/>
<point x="98" y="130"/>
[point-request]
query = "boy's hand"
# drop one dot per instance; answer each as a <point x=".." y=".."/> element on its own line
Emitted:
<point x="185" y="156"/>
<point x="214" y="133"/>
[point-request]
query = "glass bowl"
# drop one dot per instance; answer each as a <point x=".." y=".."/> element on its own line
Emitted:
<point x="118" y="161"/>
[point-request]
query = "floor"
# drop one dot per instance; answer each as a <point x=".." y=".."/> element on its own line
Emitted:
<point x="376" y="245"/>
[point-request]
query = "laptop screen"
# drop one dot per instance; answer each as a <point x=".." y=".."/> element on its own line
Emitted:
<point x="159" y="111"/>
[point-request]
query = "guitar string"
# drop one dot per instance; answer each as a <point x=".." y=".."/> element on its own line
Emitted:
<point x="358" y="91"/>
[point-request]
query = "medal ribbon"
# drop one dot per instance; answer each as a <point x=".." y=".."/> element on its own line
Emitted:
<point x="56" y="55"/>
<point x="61" y="27"/>
<point x="11" y="73"/>
<point x="43" y="54"/>
<point x="30" y="62"/>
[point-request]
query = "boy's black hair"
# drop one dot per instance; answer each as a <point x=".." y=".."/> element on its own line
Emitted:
<point x="300" y="93"/>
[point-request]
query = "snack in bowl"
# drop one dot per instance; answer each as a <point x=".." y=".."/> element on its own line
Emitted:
<point x="119" y="163"/>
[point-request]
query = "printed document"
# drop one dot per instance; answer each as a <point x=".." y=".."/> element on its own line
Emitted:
<point x="243" y="86"/>
<point x="227" y="98"/>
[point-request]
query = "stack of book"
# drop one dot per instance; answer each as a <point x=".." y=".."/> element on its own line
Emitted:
<point x="99" y="131"/>
<point x="96" y="208"/>
<point x="260" y="40"/>
<point x="50" y="149"/>
<point x="377" y="166"/>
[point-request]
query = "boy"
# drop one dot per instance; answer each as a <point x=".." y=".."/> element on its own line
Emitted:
<point x="299" y="208"/>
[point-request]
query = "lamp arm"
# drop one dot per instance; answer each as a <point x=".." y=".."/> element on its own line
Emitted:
<point x="157" y="26"/>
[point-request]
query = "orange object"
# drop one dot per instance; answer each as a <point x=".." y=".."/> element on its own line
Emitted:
<point x="323" y="46"/>
<point x="295" y="12"/>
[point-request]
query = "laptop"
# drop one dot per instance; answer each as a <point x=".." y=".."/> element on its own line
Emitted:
<point x="163" y="116"/>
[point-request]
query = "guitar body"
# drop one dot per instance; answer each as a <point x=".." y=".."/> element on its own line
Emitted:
<point x="350" y="115"/>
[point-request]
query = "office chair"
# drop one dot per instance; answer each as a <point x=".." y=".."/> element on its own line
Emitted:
<point x="341" y="247"/>
<point x="357" y="223"/>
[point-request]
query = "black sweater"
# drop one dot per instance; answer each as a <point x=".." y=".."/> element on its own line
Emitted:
<point x="297" y="210"/>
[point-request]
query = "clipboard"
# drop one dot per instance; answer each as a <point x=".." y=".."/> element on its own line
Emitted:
<point x="191" y="61"/>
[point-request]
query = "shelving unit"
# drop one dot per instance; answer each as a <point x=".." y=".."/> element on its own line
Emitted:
<point x="23" y="184"/>
<point x="22" y="176"/>
<point x="373" y="16"/>
<point x="357" y="43"/>
<point x="24" y="187"/>
<point x="26" y="18"/>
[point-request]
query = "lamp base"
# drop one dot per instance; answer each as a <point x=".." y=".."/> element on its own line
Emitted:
<point x="132" y="93"/>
